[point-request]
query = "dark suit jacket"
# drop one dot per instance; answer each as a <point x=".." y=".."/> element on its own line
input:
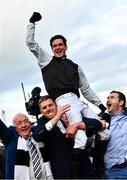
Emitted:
<point x="9" y="138"/>
<point x="59" y="148"/>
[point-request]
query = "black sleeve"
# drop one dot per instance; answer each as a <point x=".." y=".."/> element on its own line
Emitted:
<point x="102" y="107"/>
<point x="40" y="133"/>
<point x="5" y="133"/>
<point x="92" y="125"/>
<point x="105" y="116"/>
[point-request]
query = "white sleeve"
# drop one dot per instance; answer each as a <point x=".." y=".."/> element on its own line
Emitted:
<point x="49" y="125"/>
<point x="86" y="90"/>
<point x="42" y="56"/>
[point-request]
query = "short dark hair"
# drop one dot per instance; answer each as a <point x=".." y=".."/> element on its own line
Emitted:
<point x="44" y="98"/>
<point x="121" y="97"/>
<point x="58" y="37"/>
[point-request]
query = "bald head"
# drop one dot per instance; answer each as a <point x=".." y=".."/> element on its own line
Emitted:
<point x="18" y="117"/>
<point x="22" y="125"/>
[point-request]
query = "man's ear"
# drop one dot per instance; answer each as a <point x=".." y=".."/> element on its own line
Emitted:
<point x="121" y="103"/>
<point x="41" y="112"/>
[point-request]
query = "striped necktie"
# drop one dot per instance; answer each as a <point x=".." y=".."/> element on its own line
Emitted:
<point x="39" y="171"/>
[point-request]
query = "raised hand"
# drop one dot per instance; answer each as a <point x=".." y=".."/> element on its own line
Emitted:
<point x="60" y="113"/>
<point x="35" y="17"/>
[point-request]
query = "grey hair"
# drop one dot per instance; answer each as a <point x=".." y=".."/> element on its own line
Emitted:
<point x="16" y="116"/>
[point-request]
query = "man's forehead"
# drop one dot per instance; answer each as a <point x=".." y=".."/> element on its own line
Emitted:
<point x="20" y="117"/>
<point x="47" y="101"/>
<point x="113" y="95"/>
<point x="58" y="40"/>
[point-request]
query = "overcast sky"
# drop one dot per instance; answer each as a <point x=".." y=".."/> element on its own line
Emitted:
<point x="96" y="31"/>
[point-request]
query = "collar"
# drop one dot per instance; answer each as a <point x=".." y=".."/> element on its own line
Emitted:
<point x="63" y="57"/>
<point x="120" y="114"/>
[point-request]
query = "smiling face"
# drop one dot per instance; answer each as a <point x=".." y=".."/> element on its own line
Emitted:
<point x="22" y="125"/>
<point x="114" y="104"/>
<point x="48" y="108"/>
<point x="59" y="48"/>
